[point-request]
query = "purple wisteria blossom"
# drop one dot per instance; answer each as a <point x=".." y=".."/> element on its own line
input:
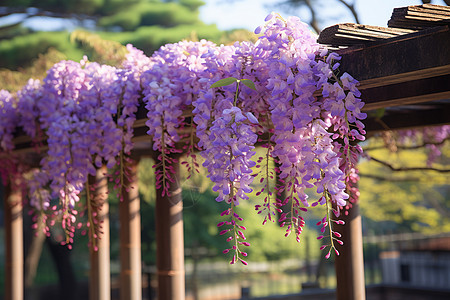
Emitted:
<point x="27" y="108"/>
<point x="283" y="92"/>
<point x="308" y="152"/>
<point x="169" y="88"/>
<point x="232" y="141"/>
<point x="8" y="120"/>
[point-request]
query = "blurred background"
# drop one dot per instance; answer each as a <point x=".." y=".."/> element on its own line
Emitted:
<point x="406" y="214"/>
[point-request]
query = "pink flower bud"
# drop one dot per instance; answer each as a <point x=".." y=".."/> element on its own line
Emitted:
<point x="337" y="234"/>
<point x="233" y="261"/>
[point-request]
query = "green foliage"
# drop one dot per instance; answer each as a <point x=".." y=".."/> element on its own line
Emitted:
<point x="63" y="6"/>
<point x="22" y="50"/>
<point x="15" y="80"/>
<point x="150" y="38"/>
<point x="147" y="181"/>
<point x="126" y="20"/>
<point x="113" y="6"/>
<point x="99" y="50"/>
<point x="268" y="241"/>
<point x="11" y="31"/>
<point x="248" y="83"/>
<point x="238" y="35"/>
<point x="152" y="13"/>
<point x="224" y="82"/>
<point x="201" y="213"/>
<point x="192" y="4"/>
<point x="164" y="22"/>
<point x="230" y="80"/>
<point x="414" y="200"/>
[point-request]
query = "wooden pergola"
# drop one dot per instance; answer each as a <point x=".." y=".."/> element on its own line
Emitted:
<point x="403" y="70"/>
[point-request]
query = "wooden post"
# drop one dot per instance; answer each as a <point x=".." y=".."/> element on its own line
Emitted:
<point x="170" y="241"/>
<point x="130" y="240"/>
<point x="14" y="278"/>
<point x="350" y="264"/>
<point x="100" y="276"/>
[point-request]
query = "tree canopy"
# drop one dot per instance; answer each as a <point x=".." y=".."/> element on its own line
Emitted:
<point x="147" y="24"/>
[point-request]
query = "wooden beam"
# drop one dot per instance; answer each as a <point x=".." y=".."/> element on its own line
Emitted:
<point x="100" y="275"/>
<point x="349" y="34"/>
<point x="409" y="53"/>
<point x="170" y="240"/>
<point x="130" y="239"/>
<point x="405" y="93"/>
<point x="411" y="117"/>
<point x="420" y="16"/>
<point x="349" y="264"/>
<point x="404" y="77"/>
<point x="14" y="277"/>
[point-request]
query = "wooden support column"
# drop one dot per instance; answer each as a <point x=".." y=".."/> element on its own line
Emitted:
<point x="100" y="275"/>
<point x="14" y="280"/>
<point x="350" y="264"/>
<point x="130" y="239"/>
<point x="170" y="241"/>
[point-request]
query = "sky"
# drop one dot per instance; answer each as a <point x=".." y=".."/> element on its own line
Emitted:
<point x="249" y="14"/>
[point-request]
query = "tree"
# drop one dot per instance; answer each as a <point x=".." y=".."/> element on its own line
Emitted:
<point x="402" y="188"/>
<point x="311" y="5"/>
<point x="146" y="24"/>
<point x="315" y="20"/>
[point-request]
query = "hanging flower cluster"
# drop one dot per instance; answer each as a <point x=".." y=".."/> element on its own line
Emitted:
<point x="283" y="92"/>
<point x="86" y="111"/>
<point x="170" y="86"/>
<point x="8" y="121"/>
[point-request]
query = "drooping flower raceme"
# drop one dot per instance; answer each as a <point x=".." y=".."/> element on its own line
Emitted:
<point x="308" y="153"/>
<point x="67" y="161"/>
<point x="232" y="142"/>
<point x="283" y="92"/>
<point x="227" y="128"/>
<point x="8" y="123"/>
<point x="28" y="109"/>
<point x="169" y="88"/>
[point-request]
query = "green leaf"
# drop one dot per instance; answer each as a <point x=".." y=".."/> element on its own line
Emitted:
<point x="224" y="82"/>
<point x="249" y="83"/>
